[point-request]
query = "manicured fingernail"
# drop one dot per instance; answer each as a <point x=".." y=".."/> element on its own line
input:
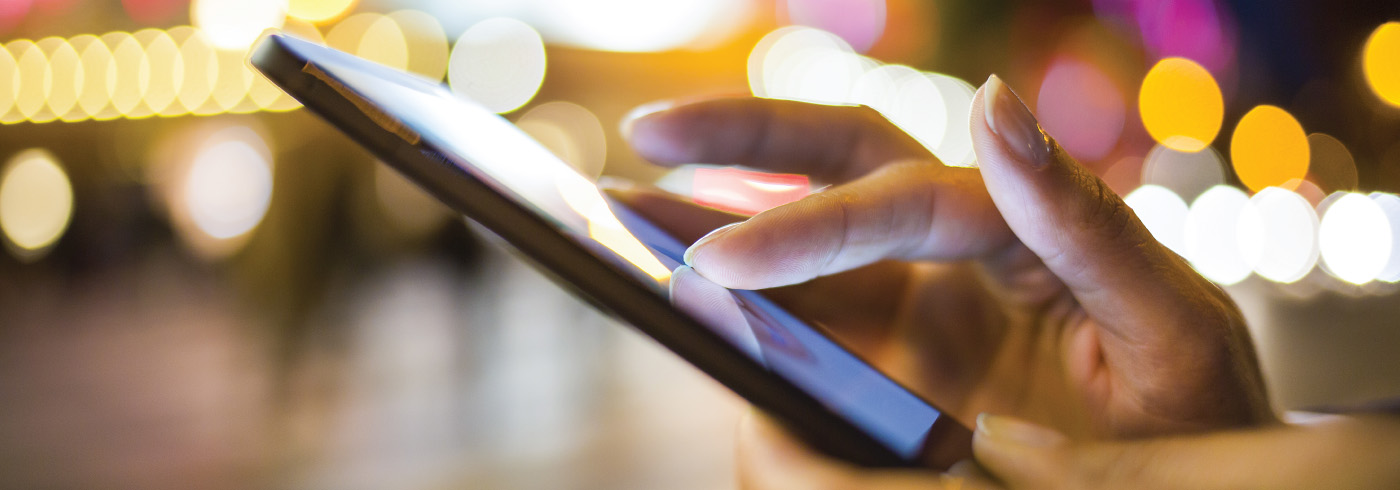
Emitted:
<point x="1011" y="121"/>
<point x="1017" y="431"/>
<point x="695" y="247"/>
<point x="642" y="111"/>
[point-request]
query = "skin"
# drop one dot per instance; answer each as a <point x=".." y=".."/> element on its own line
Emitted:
<point x="1021" y="288"/>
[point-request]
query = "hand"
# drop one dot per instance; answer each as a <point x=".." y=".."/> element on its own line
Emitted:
<point x="1026" y="288"/>
<point x="1335" y="452"/>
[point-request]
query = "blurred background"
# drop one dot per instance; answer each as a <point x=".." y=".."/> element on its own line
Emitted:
<point x="204" y="286"/>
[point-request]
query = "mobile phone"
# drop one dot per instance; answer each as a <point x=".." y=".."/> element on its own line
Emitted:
<point x="481" y="165"/>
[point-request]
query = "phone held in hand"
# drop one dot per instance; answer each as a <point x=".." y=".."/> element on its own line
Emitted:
<point x="484" y="167"/>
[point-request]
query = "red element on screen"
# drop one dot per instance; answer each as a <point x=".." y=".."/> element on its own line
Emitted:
<point x="745" y="191"/>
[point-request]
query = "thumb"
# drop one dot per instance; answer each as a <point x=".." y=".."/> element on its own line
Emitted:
<point x="1021" y="454"/>
<point x="1083" y="232"/>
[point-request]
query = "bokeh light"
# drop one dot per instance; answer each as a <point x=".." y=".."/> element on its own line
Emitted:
<point x="1278" y="235"/>
<point x="9" y="81"/>
<point x="776" y="59"/>
<point x="228" y="187"/>
<point x="1355" y="238"/>
<point x="318" y="11"/>
<point x="498" y="63"/>
<point x="428" y="50"/>
<point x="166" y="72"/>
<point x="859" y="22"/>
<point x="1188" y="174"/>
<point x="1211" y="235"/>
<point x="132" y="73"/>
<point x="1269" y="148"/>
<point x="201" y="70"/>
<point x="1163" y="213"/>
<point x="1330" y="164"/>
<point x="233" y="25"/>
<point x="1390" y="205"/>
<point x="33" y="84"/>
<point x="1380" y="62"/>
<point x="1181" y="105"/>
<point x="65" y="76"/>
<point x="36" y="202"/>
<point x="1081" y="107"/>
<point x="571" y="132"/>
<point x="955" y="148"/>
<point x="383" y="42"/>
<point x="641" y="25"/>
<point x="1190" y="29"/>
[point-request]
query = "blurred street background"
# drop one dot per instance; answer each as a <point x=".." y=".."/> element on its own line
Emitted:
<point x="205" y="286"/>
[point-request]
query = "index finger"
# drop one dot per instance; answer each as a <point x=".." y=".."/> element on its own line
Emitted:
<point x="831" y="143"/>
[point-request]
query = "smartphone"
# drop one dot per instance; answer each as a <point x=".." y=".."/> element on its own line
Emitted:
<point x="481" y="165"/>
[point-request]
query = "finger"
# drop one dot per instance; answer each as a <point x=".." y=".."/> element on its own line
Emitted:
<point x="831" y="143"/>
<point x="683" y="219"/>
<point x="911" y="210"/>
<point x="1151" y="305"/>
<point x="1020" y="454"/>
<point x="770" y="459"/>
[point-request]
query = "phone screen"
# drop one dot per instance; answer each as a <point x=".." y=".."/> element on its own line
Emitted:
<point x="497" y="153"/>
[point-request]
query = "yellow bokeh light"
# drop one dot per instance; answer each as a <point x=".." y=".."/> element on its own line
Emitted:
<point x="234" y="25"/>
<point x="166" y="72"/>
<point x="92" y="93"/>
<point x="132" y="75"/>
<point x="318" y="11"/>
<point x="231" y="86"/>
<point x="427" y="43"/>
<point x="1269" y="148"/>
<point x="201" y="69"/>
<point x="36" y="202"/>
<point x="32" y="92"/>
<point x="1380" y="61"/>
<point x="64" y="77"/>
<point x="9" y="81"/>
<point x="384" y="43"/>
<point x="1181" y="105"/>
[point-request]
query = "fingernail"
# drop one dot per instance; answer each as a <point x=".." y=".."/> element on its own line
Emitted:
<point x="1011" y="121"/>
<point x="642" y="111"/>
<point x="1017" y="431"/>
<point x="689" y="256"/>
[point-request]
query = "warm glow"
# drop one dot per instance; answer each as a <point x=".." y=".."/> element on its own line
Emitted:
<point x="97" y="65"/>
<point x="1211" y="235"/>
<point x="9" y="70"/>
<point x="36" y="202"/>
<point x="641" y="25"/>
<point x="571" y="132"/>
<point x="1355" y="238"/>
<point x="383" y="42"/>
<point x="167" y="69"/>
<point x="201" y="69"/>
<point x="1269" y="148"/>
<point x="132" y="74"/>
<point x="498" y="63"/>
<point x="428" y="50"/>
<point x="1278" y="235"/>
<point x="64" y="76"/>
<point x="233" y="81"/>
<point x="1162" y="212"/>
<point x="318" y="11"/>
<point x="1181" y="105"/>
<point x="1380" y="60"/>
<point x="228" y="186"/>
<point x="32" y="90"/>
<point x="233" y="25"/>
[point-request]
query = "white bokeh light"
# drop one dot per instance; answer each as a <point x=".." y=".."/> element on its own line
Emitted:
<point x="773" y="61"/>
<point x="1390" y="205"/>
<point x="1162" y="212"/>
<point x="228" y="187"/>
<point x="233" y="25"/>
<point x="1278" y="235"/>
<point x="1211" y="235"/>
<point x="498" y="63"/>
<point x="955" y="149"/>
<point x="36" y="202"/>
<point x="1355" y="238"/>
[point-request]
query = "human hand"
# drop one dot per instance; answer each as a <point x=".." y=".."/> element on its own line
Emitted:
<point x="1026" y="288"/>
<point x="1333" y="452"/>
